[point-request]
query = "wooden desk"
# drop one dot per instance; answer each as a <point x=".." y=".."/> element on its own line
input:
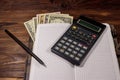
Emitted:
<point x="14" y="13"/>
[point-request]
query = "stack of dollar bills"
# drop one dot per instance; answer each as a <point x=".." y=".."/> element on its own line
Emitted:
<point x="46" y="18"/>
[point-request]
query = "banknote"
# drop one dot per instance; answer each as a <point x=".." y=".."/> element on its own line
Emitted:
<point x="47" y="16"/>
<point x="60" y="19"/>
<point x="54" y="17"/>
<point x="34" y="19"/>
<point x="41" y="17"/>
<point x="30" y="29"/>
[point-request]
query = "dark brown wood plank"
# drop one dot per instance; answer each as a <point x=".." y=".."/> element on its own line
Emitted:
<point x="59" y="4"/>
<point x="13" y="57"/>
<point x="13" y="13"/>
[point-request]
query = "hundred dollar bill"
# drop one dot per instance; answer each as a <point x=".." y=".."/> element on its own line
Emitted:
<point x="29" y="27"/>
<point x="60" y="19"/>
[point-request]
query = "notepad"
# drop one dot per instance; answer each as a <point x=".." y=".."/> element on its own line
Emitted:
<point x="100" y="65"/>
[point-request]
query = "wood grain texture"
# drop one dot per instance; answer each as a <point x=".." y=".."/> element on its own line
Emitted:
<point x="13" y="57"/>
<point x="13" y="13"/>
<point x="11" y="78"/>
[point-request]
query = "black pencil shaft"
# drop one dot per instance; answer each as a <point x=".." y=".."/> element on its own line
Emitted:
<point x="24" y="47"/>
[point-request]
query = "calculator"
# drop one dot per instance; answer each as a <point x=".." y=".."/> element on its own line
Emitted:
<point x="75" y="44"/>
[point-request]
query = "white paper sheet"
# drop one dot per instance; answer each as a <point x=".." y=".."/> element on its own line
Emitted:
<point x="101" y="64"/>
<point x="57" y="67"/>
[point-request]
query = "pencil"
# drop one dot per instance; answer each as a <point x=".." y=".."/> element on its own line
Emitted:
<point x="25" y="47"/>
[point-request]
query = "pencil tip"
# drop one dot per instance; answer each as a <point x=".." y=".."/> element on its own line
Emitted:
<point x="5" y="30"/>
<point x="44" y="65"/>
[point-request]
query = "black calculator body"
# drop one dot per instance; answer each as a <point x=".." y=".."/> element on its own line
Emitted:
<point x="77" y="41"/>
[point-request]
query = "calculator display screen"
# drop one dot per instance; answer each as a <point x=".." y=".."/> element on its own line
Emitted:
<point x="89" y="25"/>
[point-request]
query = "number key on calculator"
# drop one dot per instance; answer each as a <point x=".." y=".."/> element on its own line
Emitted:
<point x="77" y="41"/>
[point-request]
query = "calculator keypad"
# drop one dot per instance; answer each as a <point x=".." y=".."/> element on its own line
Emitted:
<point x="70" y="48"/>
<point x="74" y="43"/>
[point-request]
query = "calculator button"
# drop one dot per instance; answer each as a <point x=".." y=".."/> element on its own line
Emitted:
<point x="80" y="55"/>
<point x="67" y="43"/>
<point x="56" y="48"/>
<point x="74" y="52"/>
<point x="74" y="42"/>
<point x="77" y="58"/>
<point x="70" y="40"/>
<point x="59" y="44"/>
<point x="77" y="38"/>
<point x="77" y="48"/>
<point x="82" y="51"/>
<point x="88" y="36"/>
<point x="85" y="47"/>
<point x="80" y="45"/>
<point x="65" y="38"/>
<point x="84" y="34"/>
<point x="80" y="32"/>
<point x="62" y="50"/>
<point x="73" y="32"/>
<point x="66" y="53"/>
<point x="74" y="27"/>
<point x="69" y="32"/>
<point x="78" y="35"/>
<point x="90" y="41"/>
<point x="65" y="47"/>
<point x="72" y="56"/>
<point x="62" y="41"/>
<point x="69" y="49"/>
<point x="81" y="37"/>
<point x="72" y="46"/>
<point x="94" y="36"/>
